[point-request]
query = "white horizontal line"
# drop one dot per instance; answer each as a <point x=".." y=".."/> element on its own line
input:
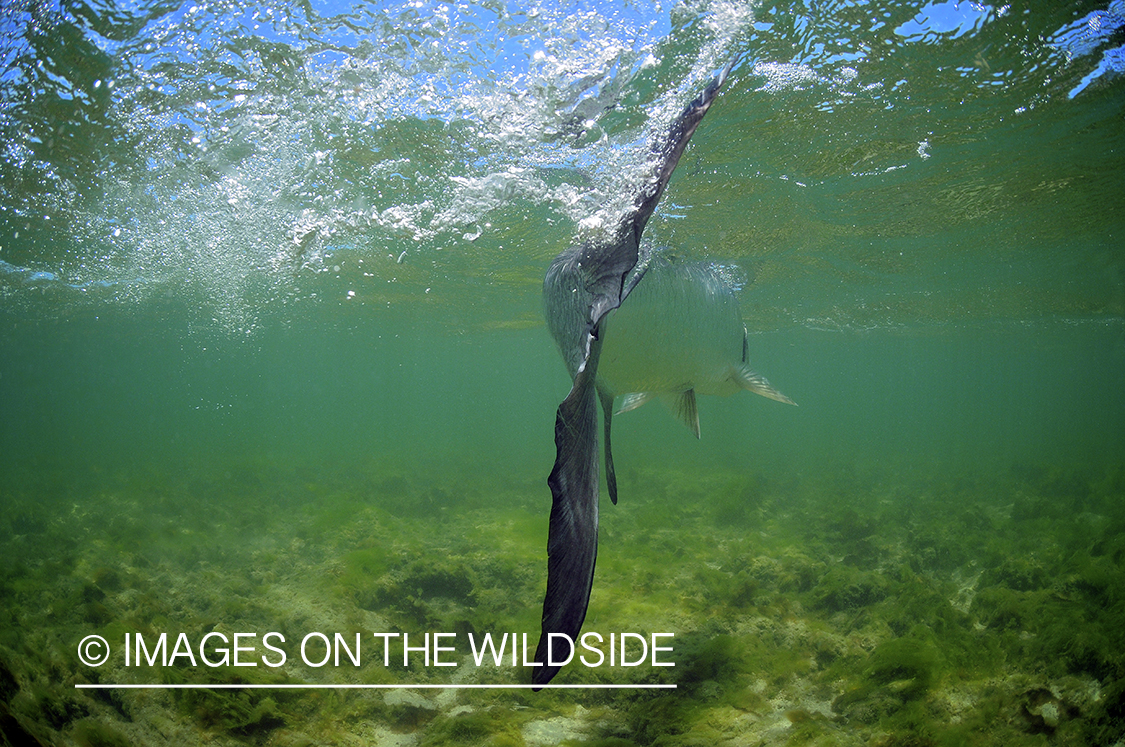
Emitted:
<point x="225" y="686"/>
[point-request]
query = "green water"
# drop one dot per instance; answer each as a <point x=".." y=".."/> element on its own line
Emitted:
<point x="272" y="358"/>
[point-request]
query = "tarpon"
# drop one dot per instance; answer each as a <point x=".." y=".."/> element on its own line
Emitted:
<point x="680" y="334"/>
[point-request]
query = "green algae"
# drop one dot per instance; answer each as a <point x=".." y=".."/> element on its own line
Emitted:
<point x="93" y="733"/>
<point x="822" y="625"/>
<point x="845" y="588"/>
<point x="243" y="713"/>
<point x="489" y="727"/>
<point x="899" y="673"/>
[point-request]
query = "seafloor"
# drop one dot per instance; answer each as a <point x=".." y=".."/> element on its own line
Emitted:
<point x="861" y="606"/>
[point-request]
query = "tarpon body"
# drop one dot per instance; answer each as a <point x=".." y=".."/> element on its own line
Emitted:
<point x="679" y="334"/>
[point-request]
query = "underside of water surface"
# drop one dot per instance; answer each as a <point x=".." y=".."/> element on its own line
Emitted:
<point x="274" y="372"/>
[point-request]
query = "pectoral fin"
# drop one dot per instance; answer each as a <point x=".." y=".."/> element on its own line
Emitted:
<point x="633" y="401"/>
<point x="757" y="384"/>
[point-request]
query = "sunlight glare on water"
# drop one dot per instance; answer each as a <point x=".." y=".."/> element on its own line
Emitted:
<point x="231" y="154"/>
<point x="239" y="148"/>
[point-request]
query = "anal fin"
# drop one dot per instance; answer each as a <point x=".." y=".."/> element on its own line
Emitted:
<point x="683" y="406"/>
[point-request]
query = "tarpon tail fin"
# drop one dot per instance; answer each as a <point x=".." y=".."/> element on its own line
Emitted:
<point x="669" y="149"/>
<point x="572" y="542"/>
<point x="609" y="265"/>
<point x="596" y="271"/>
<point x="756" y="383"/>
